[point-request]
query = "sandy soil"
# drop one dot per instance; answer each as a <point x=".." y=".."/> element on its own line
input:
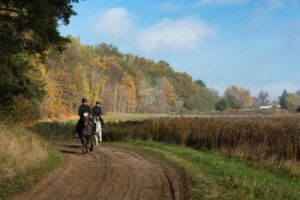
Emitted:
<point x="110" y="173"/>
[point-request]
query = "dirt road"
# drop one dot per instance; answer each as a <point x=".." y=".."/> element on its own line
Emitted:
<point x="111" y="173"/>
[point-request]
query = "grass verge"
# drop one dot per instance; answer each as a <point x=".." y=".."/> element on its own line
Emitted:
<point x="24" y="159"/>
<point x="217" y="176"/>
<point x="22" y="181"/>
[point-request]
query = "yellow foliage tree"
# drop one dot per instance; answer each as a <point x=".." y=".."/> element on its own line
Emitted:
<point x="129" y="88"/>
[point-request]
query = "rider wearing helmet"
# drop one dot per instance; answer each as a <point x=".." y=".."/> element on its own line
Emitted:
<point x="97" y="112"/>
<point x="83" y="108"/>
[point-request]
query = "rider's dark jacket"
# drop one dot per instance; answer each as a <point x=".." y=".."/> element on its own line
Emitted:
<point x="82" y="109"/>
<point x="96" y="112"/>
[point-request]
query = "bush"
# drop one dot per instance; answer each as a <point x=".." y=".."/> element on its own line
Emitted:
<point x="222" y="105"/>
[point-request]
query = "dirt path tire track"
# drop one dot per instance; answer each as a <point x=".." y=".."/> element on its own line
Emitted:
<point x="110" y="173"/>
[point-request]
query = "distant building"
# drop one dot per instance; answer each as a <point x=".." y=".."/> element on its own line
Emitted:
<point x="270" y="106"/>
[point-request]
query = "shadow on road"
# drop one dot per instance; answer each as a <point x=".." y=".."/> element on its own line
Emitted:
<point x="69" y="151"/>
<point x="72" y="146"/>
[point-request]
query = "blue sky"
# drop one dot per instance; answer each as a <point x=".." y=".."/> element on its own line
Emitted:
<point x="250" y="43"/>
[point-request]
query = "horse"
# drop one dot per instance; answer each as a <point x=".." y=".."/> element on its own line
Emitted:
<point x="86" y="134"/>
<point x="98" y="132"/>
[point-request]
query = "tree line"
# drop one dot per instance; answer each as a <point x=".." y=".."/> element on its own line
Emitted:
<point x="45" y="74"/>
<point x="241" y="98"/>
<point x="123" y="82"/>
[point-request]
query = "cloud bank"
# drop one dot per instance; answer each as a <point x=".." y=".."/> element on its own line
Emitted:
<point x="167" y="36"/>
<point x="115" y="23"/>
<point x="172" y="36"/>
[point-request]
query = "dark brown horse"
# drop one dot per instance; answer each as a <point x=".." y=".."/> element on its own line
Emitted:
<point x="86" y="134"/>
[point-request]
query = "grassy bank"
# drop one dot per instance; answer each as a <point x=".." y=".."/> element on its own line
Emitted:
<point x="25" y="159"/>
<point x="217" y="176"/>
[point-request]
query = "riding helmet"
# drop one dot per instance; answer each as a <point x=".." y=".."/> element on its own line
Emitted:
<point x="84" y="100"/>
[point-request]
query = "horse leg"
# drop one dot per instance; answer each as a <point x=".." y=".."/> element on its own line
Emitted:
<point x="96" y="139"/>
<point x="82" y="144"/>
<point x="100" y="135"/>
<point x="85" y="145"/>
<point x="91" y="143"/>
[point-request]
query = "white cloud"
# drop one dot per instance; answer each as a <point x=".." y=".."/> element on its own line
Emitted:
<point x="166" y="37"/>
<point x="220" y="2"/>
<point x="173" y="36"/>
<point x="115" y="23"/>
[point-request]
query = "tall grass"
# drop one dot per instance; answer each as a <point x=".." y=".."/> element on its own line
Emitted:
<point x="254" y="138"/>
<point x="19" y="150"/>
<point x="57" y="130"/>
<point x="24" y="159"/>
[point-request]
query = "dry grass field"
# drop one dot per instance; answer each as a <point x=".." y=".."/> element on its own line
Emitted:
<point x="19" y="150"/>
<point x="24" y="159"/>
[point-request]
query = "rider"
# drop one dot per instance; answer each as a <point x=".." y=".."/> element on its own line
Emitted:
<point x="97" y="112"/>
<point x="83" y="108"/>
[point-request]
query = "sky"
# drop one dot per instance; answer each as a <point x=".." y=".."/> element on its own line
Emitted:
<point x="253" y="44"/>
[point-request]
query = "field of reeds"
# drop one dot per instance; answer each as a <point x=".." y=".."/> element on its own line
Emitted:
<point x="256" y="138"/>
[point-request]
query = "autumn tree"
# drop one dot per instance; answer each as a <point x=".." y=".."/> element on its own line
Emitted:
<point x="123" y="82"/>
<point x="200" y="83"/>
<point x="223" y="105"/>
<point x="238" y="98"/>
<point x="262" y="98"/>
<point x="107" y="50"/>
<point x="290" y="101"/>
<point x="129" y="88"/>
<point x="27" y="29"/>
<point x="169" y="91"/>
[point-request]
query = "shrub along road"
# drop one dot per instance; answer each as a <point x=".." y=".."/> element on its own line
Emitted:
<point x="110" y="173"/>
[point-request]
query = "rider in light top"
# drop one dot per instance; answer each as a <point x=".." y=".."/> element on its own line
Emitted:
<point x="83" y="108"/>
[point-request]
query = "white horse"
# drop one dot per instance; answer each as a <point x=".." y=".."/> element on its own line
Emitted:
<point x="98" y="132"/>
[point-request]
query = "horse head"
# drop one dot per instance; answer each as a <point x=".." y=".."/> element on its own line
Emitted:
<point x="86" y="119"/>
